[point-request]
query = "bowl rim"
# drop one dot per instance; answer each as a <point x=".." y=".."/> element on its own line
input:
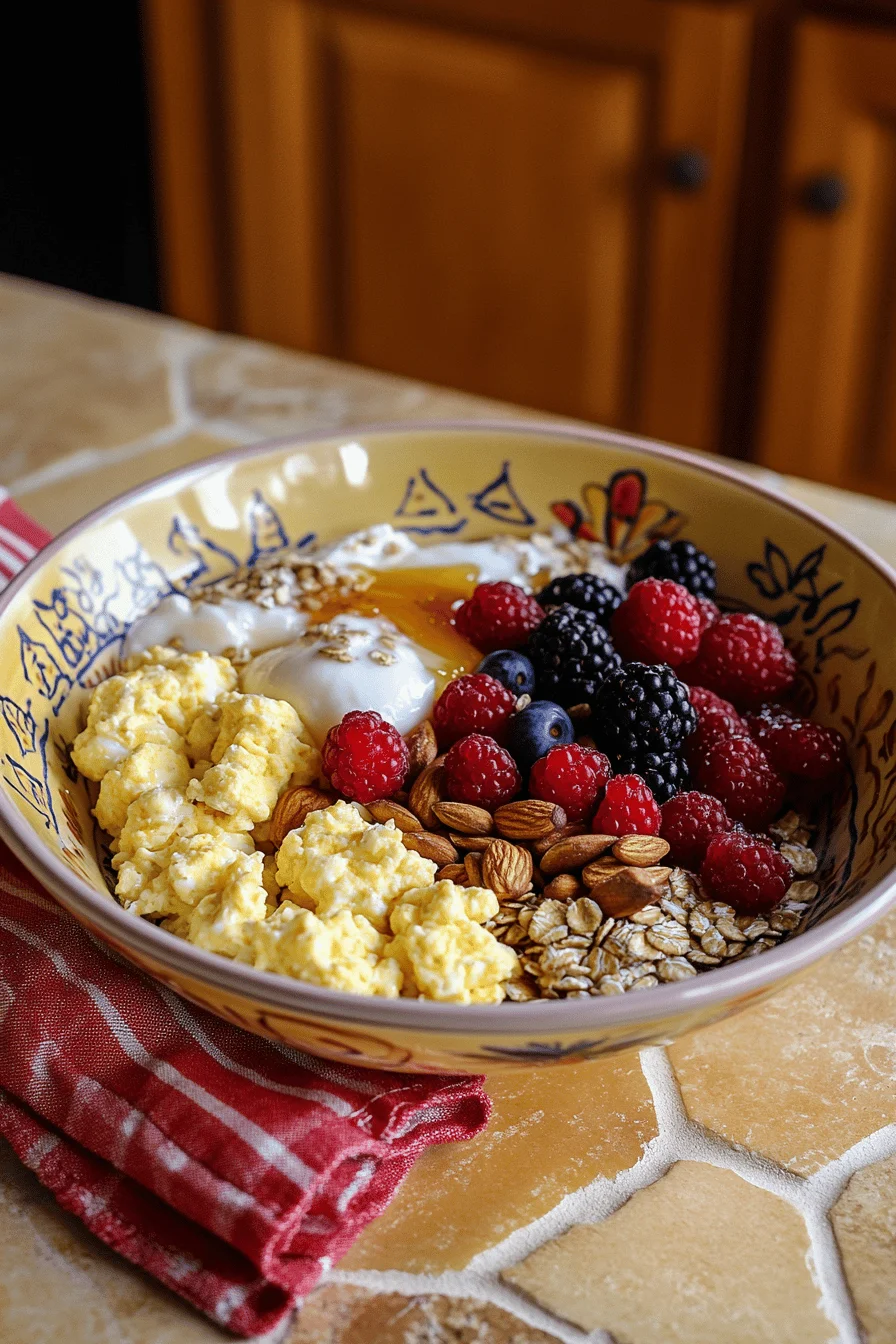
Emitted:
<point x="284" y="993"/>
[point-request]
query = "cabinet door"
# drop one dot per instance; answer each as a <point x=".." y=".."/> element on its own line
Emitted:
<point x="489" y="213"/>
<point x="829" y="395"/>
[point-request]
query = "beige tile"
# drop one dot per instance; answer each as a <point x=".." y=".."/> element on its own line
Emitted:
<point x="57" y="505"/>
<point x="279" y="392"/>
<point x="698" y="1258"/>
<point x="806" y="1075"/>
<point x="864" y="1221"/>
<point x="336" y="1314"/>
<point x="58" y="1283"/>
<point x="552" y="1131"/>
<point x="75" y="374"/>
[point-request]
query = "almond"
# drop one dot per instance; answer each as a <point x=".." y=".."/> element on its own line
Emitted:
<point x="529" y="819"/>
<point x="464" y="817"/>
<point x="641" y="851"/>
<point x="507" y="868"/>
<point x="565" y="887"/>
<point x="473" y="869"/>
<point x="293" y="807"/>
<point x="629" y="890"/>
<point x="544" y="843"/>
<point x="422" y="748"/>
<point x="452" y="872"/>
<point x="384" y="809"/>
<point x="425" y="791"/>
<point x="600" y="868"/>
<point x="574" y="852"/>
<point x="478" y="843"/>
<point x="435" y="847"/>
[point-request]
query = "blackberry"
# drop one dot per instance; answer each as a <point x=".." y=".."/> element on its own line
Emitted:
<point x="680" y="561"/>
<point x="642" y="708"/>
<point x="665" y="773"/>
<point x="571" y="653"/>
<point x="589" y="592"/>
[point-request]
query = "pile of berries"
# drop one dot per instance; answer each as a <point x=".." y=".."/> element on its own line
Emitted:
<point x="653" y="714"/>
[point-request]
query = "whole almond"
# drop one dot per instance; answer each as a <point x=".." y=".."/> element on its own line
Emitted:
<point x="435" y="847"/>
<point x="384" y="809"/>
<point x="293" y="807"/>
<point x="422" y="748"/>
<point x="641" y="851"/>
<point x="529" y="819"/>
<point x="574" y="852"/>
<point x="565" y="887"/>
<point x="477" y="843"/>
<point x="629" y="890"/>
<point x="464" y="817"/>
<point x="545" y="842"/>
<point x="507" y="868"/>
<point x="452" y="872"/>
<point x="473" y="869"/>
<point x="425" y="791"/>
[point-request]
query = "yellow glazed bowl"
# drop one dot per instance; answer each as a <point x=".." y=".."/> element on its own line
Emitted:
<point x="62" y="621"/>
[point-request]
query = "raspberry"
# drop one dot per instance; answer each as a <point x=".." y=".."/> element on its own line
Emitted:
<point x="476" y="703"/>
<point x="498" y="616"/>
<point x="571" y="653"/>
<point x="798" y="747"/>
<point x="716" y="718"/>
<point x="690" y="820"/>
<point x="744" y="659"/>
<point x="642" y="708"/>
<point x="364" y="757"/>
<point x="572" y="777"/>
<point x="588" y="591"/>
<point x="659" y="622"/>
<point x="628" y="808"/>
<point x="746" y="871"/>
<point x="737" y="771"/>
<point x="677" y="560"/>
<point x="708" y="611"/>
<point x="478" y="771"/>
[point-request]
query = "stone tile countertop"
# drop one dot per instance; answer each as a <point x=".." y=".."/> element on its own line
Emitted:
<point x="738" y="1188"/>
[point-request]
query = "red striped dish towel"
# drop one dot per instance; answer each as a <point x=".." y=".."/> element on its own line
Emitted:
<point x="234" y="1170"/>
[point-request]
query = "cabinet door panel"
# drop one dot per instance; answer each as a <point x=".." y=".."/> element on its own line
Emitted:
<point x="487" y="215"/>
<point x="829" y="395"/>
<point x="490" y="213"/>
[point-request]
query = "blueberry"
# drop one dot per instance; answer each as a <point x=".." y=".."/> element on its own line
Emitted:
<point x="537" y="728"/>
<point x="511" y="668"/>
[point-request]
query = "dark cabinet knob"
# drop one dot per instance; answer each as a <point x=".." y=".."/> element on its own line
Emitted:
<point x="687" y="170"/>
<point x="824" y="194"/>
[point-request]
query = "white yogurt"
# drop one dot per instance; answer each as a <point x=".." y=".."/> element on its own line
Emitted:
<point x="323" y="689"/>
<point x="214" y="626"/>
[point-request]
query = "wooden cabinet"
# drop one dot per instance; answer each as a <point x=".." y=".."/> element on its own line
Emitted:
<point x="495" y="213"/>
<point x="672" y="216"/>
<point x="829" y="389"/>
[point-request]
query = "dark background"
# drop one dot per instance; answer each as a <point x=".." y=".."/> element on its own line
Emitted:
<point x="75" y="195"/>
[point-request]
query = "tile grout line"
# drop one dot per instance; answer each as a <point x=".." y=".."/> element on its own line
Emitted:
<point x="678" y="1138"/>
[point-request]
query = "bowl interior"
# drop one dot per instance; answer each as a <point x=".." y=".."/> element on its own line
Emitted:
<point x="61" y="627"/>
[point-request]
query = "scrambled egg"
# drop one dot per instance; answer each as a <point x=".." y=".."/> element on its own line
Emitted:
<point x="344" y="952"/>
<point x="442" y="948"/>
<point x="189" y="771"/>
<point x="338" y="861"/>
<point x="259" y="746"/>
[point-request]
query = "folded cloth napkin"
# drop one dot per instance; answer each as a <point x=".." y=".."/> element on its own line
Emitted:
<point x="233" y="1169"/>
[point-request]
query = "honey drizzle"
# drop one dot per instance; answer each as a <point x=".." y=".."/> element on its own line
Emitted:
<point x="419" y="603"/>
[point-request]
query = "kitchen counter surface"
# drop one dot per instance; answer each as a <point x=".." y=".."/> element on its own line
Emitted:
<point x="738" y="1188"/>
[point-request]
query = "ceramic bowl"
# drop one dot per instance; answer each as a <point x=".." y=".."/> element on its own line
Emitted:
<point x="63" y="619"/>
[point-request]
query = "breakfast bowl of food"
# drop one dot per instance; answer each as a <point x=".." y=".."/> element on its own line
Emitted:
<point x="456" y="747"/>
